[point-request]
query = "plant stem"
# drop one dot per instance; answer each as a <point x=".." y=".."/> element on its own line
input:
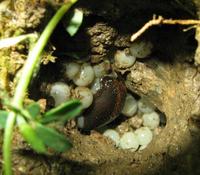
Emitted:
<point x="27" y="72"/>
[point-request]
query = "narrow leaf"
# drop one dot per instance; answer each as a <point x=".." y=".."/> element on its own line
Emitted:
<point x="34" y="109"/>
<point x="52" y="138"/>
<point x="75" y="22"/>
<point x="32" y="138"/>
<point x="63" y="112"/>
<point x="3" y="118"/>
<point x="8" y="42"/>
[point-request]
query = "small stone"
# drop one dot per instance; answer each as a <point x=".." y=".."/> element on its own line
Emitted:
<point x="135" y="122"/>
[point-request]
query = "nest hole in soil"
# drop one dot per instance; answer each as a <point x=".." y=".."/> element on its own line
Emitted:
<point x="98" y="39"/>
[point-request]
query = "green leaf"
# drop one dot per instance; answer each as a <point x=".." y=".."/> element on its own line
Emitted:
<point x="3" y="118"/>
<point x="20" y="111"/>
<point x="75" y="22"/>
<point x="34" y="109"/>
<point x="52" y="138"/>
<point x="63" y="112"/>
<point x="32" y="138"/>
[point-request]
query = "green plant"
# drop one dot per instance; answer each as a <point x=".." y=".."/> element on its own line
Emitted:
<point x="30" y="121"/>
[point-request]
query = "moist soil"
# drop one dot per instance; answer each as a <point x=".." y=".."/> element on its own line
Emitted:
<point x="169" y="79"/>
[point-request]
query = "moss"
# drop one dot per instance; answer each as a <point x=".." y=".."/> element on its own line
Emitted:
<point x="16" y="18"/>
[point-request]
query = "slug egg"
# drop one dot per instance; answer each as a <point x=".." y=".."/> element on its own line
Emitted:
<point x="122" y="60"/>
<point x="151" y="120"/>
<point x="113" y="135"/>
<point x="84" y="95"/>
<point x="130" y="106"/>
<point x="60" y="92"/>
<point x="141" y="49"/>
<point x="72" y="69"/>
<point x="129" y="141"/>
<point x="95" y="86"/>
<point x="85" y="76"/>
<point x="144" y="135"/>
<point x="80" y="122"/>
<point x="145" y="107"/>
<point x="101" y="69"/>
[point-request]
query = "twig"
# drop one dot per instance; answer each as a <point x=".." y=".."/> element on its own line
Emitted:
<point x="160" y="20"/>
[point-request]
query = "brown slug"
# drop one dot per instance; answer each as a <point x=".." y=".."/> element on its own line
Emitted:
<point x="107" y="105"/>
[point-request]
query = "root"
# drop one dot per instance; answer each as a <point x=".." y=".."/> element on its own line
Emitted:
<point x="159" y="21"/>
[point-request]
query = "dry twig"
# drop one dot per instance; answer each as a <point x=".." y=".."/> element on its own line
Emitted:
<point x="160" y="20"/>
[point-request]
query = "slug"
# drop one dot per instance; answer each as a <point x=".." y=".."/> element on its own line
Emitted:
<point x="107" y="104"/>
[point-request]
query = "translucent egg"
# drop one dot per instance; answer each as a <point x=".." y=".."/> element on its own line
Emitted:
<point x="101" y="69"/>
<point x="80" y="122"/>
<point x="60" y="92"/>
<point x="72" y="69"/>
<point x="141" y="49"/>
<point x="85" y="76"/>
<point x="130" y="106"/>
<point x="113" y="135"/>
<point x="151" y="120"/>
<point x="122" y="60"/>
<point x="145" y="107"/>
<point x="129" y="141"/>
<point x="84" y="95"/>
<point x="95" y="86"/>
<point x="144" y="135"/>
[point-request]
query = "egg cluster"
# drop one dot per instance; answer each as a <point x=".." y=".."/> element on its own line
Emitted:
<point x="84" y="81"/>
<point x="126" y="58"/>
<point x="86" y="77"/>
<point x="138" y="130"/>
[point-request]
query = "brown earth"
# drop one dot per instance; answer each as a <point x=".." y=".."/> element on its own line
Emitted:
<point x="169" y="79"/>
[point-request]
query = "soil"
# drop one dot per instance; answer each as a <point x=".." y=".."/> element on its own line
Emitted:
<point x="169" y="79"/>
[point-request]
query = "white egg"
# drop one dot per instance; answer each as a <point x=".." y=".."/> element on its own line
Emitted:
<point x="141" y="49"/>
<point x="145" y="107"/>
<point x="130" y="106"/>
<point x="72" y="69"/>
<point x="122" y="60"/>
<point x="113" y="135"/>
<point x="95" y="86"/>
<point x="85" y="76"/>
<point x="80" y="122"/>
<point x="151" y="120"/>
<point x="60" y="92"/>
<point x="129" y="141"/>
<point x="144" y="135"/>
<point x="101" y="69"/>
<point x="84" y="95"/>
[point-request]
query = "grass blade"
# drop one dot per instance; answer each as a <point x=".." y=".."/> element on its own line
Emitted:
<point x="3" y="118"/>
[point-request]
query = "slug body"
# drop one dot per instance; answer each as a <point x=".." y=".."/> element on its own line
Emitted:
<point x="107" y="105"/>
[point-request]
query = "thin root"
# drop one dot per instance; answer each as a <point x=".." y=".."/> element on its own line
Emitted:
<point x="160" y="20"/>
